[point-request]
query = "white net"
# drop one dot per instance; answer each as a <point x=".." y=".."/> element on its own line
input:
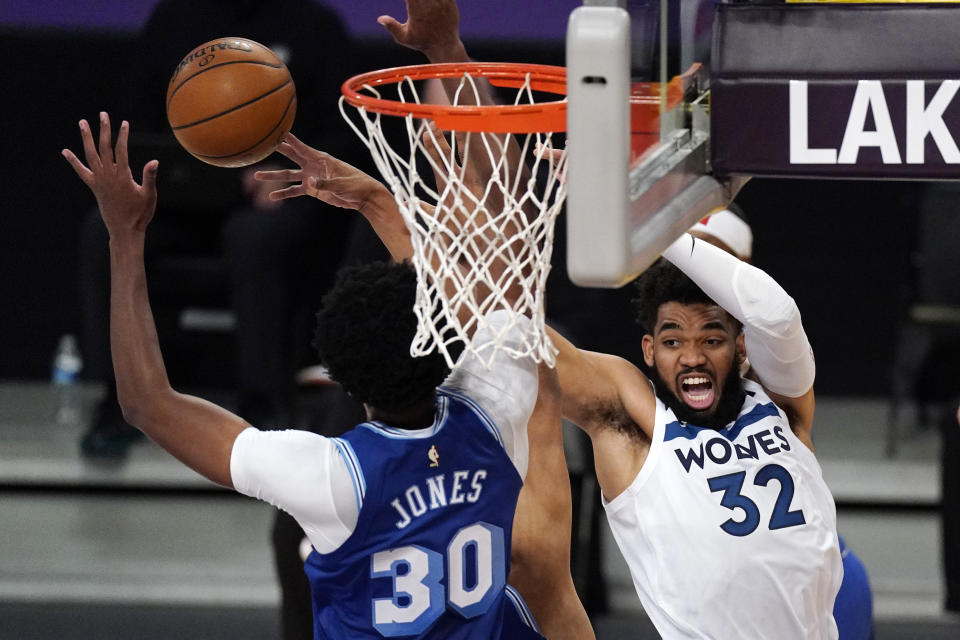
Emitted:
<point x="482" y="225"/>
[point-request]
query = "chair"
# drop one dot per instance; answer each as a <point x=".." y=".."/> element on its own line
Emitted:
<point x="927" y="351"/>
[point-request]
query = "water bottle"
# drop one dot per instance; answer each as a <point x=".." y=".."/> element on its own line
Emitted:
<point x="67" y="364"/>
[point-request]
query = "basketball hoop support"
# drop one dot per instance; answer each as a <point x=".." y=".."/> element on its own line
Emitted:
<point x="621" y="218"/>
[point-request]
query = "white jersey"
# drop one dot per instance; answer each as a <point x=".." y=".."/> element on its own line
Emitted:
<point x="308" y="476"/>
<point x="731" y="533"/>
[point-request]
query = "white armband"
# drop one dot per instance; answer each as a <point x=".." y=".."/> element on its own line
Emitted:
<point x="776" y="343"/>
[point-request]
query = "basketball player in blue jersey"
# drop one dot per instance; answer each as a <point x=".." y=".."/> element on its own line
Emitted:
<point x="409" y="514"/>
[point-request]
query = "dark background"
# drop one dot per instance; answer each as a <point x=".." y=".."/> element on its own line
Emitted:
<point x="841" y="248"/>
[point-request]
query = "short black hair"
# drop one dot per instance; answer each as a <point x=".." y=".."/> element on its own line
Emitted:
<point x="662" y="282"/>
<point x="364" y="329"/>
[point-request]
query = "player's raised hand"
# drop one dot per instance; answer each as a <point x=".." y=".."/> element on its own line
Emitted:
<point x="124" y="204"/>
<point x="335" y="182"/>
<point x="432" y="27"/>
<point x="322" y="176"/>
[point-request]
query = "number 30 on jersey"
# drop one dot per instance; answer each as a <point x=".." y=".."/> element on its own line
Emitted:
<point x="419" y="597"/>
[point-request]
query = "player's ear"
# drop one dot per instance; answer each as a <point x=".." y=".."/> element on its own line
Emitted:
<point x="647" y="346"/>
<point x="741" y="349"/>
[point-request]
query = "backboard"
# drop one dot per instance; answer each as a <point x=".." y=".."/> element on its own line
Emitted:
<point x="638" y="133"/>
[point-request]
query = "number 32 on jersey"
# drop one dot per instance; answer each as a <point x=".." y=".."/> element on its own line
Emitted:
<point x="731" y="485"/>
<point x="475" y="572"/>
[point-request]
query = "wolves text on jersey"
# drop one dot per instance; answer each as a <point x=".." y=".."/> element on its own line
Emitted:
<point x="438" y="491"/>
<point x="720" y="450"/>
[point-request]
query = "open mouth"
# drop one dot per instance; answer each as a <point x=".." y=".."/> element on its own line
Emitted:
<point x="696" y="391"/>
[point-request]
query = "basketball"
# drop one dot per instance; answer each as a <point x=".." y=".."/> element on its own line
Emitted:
<point x="230" y="101"/>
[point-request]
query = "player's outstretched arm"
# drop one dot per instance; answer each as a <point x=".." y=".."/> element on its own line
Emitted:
<point x="613" y="402"/>
<point x="199" y="433"/>
<point x="777" y="345"/>
<point x="322" y="176"/>
<point x="432" y="27"/>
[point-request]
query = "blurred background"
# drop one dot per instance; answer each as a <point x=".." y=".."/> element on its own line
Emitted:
<point x="135" y="546"/>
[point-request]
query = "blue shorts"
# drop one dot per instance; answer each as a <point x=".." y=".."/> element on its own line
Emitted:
<point x="853" y="609"/>
<point x="518" y="622"/>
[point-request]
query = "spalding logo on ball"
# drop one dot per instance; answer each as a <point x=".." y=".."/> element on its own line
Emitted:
<point x="230" y="101"/>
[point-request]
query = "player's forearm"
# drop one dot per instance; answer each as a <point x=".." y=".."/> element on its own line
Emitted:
<point x="197" y="432"/>
<point x="137" y="361"/>
<point x="383" y="214"/>
<point x="777" y="345"/>
<point x="452" y="51"/>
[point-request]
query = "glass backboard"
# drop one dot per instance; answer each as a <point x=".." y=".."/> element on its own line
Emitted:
<point x="638" y="133"/>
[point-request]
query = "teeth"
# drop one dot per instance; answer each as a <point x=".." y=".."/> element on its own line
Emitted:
<point x="695" y="381"/>
<point x="698" y="398"/>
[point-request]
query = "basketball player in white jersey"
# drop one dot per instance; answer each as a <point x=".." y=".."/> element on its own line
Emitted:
<point x="709" y="480"/>
<point x="853" y="608"/>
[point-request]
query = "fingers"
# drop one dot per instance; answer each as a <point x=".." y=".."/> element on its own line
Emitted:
<point x="392" y="26"/>
<point x="548" y="153"/>
<point x="293" y="153"/>
<point x="89" y="150"/>
<point x="285" y="149"/>
<point x="149" y="180"/>
<point x="292" y="191"/>
<point x="106" y="148"/>
<point x="122" y="161"/>
<point x="85" y="174"/>
<point x="299" y="151"/>
<point x="279" y="175"/>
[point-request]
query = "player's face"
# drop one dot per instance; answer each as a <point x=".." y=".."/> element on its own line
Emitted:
<point x="694" y="349"/>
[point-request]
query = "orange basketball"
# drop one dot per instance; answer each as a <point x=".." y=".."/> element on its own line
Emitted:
<point x="230" y="101"/>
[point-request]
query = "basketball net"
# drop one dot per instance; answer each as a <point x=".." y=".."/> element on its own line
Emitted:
<point x="482" y="227"/>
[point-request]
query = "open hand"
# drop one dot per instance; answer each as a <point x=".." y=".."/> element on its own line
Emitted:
<point x="124" y="204"/>
<point x="432" y="27"/>
<point x="322" y="176"/>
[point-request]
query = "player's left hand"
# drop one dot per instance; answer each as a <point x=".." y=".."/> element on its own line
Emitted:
<point x="432" y="26"/>
<point x="124" y="204"/>
<point x="321" y="176"/>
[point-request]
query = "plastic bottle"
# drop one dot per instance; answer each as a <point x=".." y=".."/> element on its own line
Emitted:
<point x="67" y="364"/>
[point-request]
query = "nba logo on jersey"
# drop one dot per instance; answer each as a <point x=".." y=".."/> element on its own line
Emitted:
<point x="434" y="455"/>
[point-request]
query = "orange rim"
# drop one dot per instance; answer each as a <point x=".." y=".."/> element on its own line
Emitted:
<point x="541" y="117"/>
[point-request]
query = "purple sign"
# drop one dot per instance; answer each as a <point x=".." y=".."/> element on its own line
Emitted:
<point x="494" y="19"/>
<point x="849" y="128"/>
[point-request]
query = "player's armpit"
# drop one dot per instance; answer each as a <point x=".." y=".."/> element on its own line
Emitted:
<point x="602" y="391"/>
<point x="799" y="412"/>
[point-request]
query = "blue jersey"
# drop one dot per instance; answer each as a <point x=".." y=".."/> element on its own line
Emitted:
<point x="430" y="554"/>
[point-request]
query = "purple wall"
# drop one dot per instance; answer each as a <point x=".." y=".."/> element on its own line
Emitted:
<point x="509" y="19"/>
